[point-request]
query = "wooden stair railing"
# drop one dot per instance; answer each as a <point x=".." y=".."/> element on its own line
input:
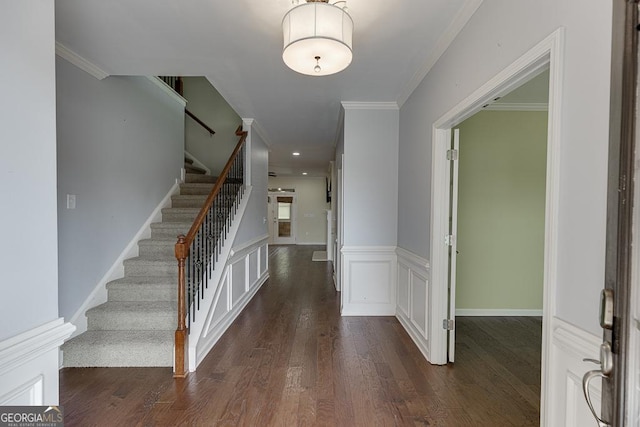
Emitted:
<point x="176" y="83"/>
<point x="198" y="251"/>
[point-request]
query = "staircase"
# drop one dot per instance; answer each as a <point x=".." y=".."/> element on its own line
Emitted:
<point x="136" y="326"/>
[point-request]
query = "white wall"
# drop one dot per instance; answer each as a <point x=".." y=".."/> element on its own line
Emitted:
<point x="370" y="174"/>
<point x="311" y="198"/>
<point x="209" y="106"/>
<point x="30" y="330"/>
<point x="254" y="221"/>
<point x="28" y="167"/>
<point x="497" y="34"/>
<point x="120" y="150"/>
<point x="370" y="218"/>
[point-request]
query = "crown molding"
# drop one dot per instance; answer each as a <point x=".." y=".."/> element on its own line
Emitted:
<point x="518" y="106"/>
<point x="370" y="105"/>
<point x="463" y="16"/>
<point x="255" y="127"/>
<point x="84" y="64"/>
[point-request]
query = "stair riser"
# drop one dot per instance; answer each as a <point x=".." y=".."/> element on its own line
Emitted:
<point x="169" y="232"/>
<point x="108" y="357"/>
<point x="126" y="321"/>
<point x="187" y="202"/>
<point x="155" y="251"/>
<point x="178" y="216"/>
<point x="114" y="354"/>
<point x="195" y="177"/>
<point x="133" y="268"/>
<point x="195" y="190"/>
<point x="145" y="293"/>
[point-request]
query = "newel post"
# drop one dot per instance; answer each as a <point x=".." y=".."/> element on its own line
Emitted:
<point x="181" y="336"/>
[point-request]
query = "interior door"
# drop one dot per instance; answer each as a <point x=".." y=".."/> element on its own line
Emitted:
<point x="282" y="214"/>
<point x="615" y="299"/>
<point x="452" y="241"/>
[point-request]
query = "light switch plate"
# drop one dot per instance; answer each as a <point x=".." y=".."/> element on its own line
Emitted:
<point x="71" y="201"/>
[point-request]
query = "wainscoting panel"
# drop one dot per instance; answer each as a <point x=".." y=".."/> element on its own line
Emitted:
<point x="238" y="285"/>
<point x="404" y="282"/>
<point x="413" y="297"/>
<point x="565" y="402"/>
<point x="29" y="365"/>
<point x="369" y="285"/>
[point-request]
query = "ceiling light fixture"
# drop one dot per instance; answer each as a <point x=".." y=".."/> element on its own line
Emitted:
<point x="295" y="153"/>
<point x="318" y="38"/>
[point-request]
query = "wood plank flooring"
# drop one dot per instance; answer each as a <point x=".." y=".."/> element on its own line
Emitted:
<point x="291" y="360"/>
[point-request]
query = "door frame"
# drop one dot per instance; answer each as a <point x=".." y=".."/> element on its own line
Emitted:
<point x="547" y="54"/>
<point x="294" y="213"/>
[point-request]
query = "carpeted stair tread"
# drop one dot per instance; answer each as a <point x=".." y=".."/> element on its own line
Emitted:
<point x="188" y="161"/>
<point x="196" y="188"/>
<point x="120" y="348"/>
<point x="132" y="315"/>
<point x="190" y="168"/>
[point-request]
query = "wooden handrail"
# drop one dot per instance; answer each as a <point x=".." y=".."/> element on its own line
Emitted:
<point x="182" y="252"/>
<point x="214" y="192"/>
<point x="176" y="83"/>
<point x="198" y="121"/>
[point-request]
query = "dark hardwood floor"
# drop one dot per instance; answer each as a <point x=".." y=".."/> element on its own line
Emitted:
<point x="290" y="359"/>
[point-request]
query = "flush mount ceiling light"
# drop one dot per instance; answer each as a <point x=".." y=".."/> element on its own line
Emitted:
<point x="318" y="38"/>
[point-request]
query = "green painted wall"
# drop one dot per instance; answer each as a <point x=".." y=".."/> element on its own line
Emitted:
<point x="501" y="207"/>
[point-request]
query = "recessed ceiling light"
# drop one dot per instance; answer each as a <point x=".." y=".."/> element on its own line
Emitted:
<point x="295" y="153"/>
<point x="304" y="173"/>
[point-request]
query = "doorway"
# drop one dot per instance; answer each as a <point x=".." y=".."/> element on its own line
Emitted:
<point x="546" y="55"/>
<point x="282" y="218"/>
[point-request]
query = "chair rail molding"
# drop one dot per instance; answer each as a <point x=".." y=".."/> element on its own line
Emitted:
<point x="29" y="365"/>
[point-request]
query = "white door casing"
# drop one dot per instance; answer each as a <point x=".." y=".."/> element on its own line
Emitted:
<point x="547" y="54"/>
<point x="452" y="240"/>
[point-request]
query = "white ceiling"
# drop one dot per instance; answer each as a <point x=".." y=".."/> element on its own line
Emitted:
<point x="237" y="45"/>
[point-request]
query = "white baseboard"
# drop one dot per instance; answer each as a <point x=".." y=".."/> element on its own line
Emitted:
<point x="416" y="336"/>
<point x="498" y="312"/>
<point x="99" y="294"/>
<point x="29" y="365"/>
<point x="311" y="243"/>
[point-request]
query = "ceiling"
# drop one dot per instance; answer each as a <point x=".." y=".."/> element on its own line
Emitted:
<point x="237" y="45"/>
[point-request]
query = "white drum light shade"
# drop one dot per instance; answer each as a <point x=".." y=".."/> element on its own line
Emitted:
<point x="317" y="39"/>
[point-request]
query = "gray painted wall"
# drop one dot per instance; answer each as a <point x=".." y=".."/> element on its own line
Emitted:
<point x="28" y="258"/>
<point x="499" y="33"/>
<point x="370" y="176"/>
<point x="209" y="106"/>
<point x="120" y="150"/>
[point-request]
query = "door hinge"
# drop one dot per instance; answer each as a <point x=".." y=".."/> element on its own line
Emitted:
<point x="448" y="324"/>
<point x="449" y="240"/>
<point x="452" y="154"/>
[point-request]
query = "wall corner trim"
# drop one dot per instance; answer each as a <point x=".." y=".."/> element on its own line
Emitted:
<point x="33" y="343"/>
<point x="84" y="64"/>
<point x="167" y="90"/>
